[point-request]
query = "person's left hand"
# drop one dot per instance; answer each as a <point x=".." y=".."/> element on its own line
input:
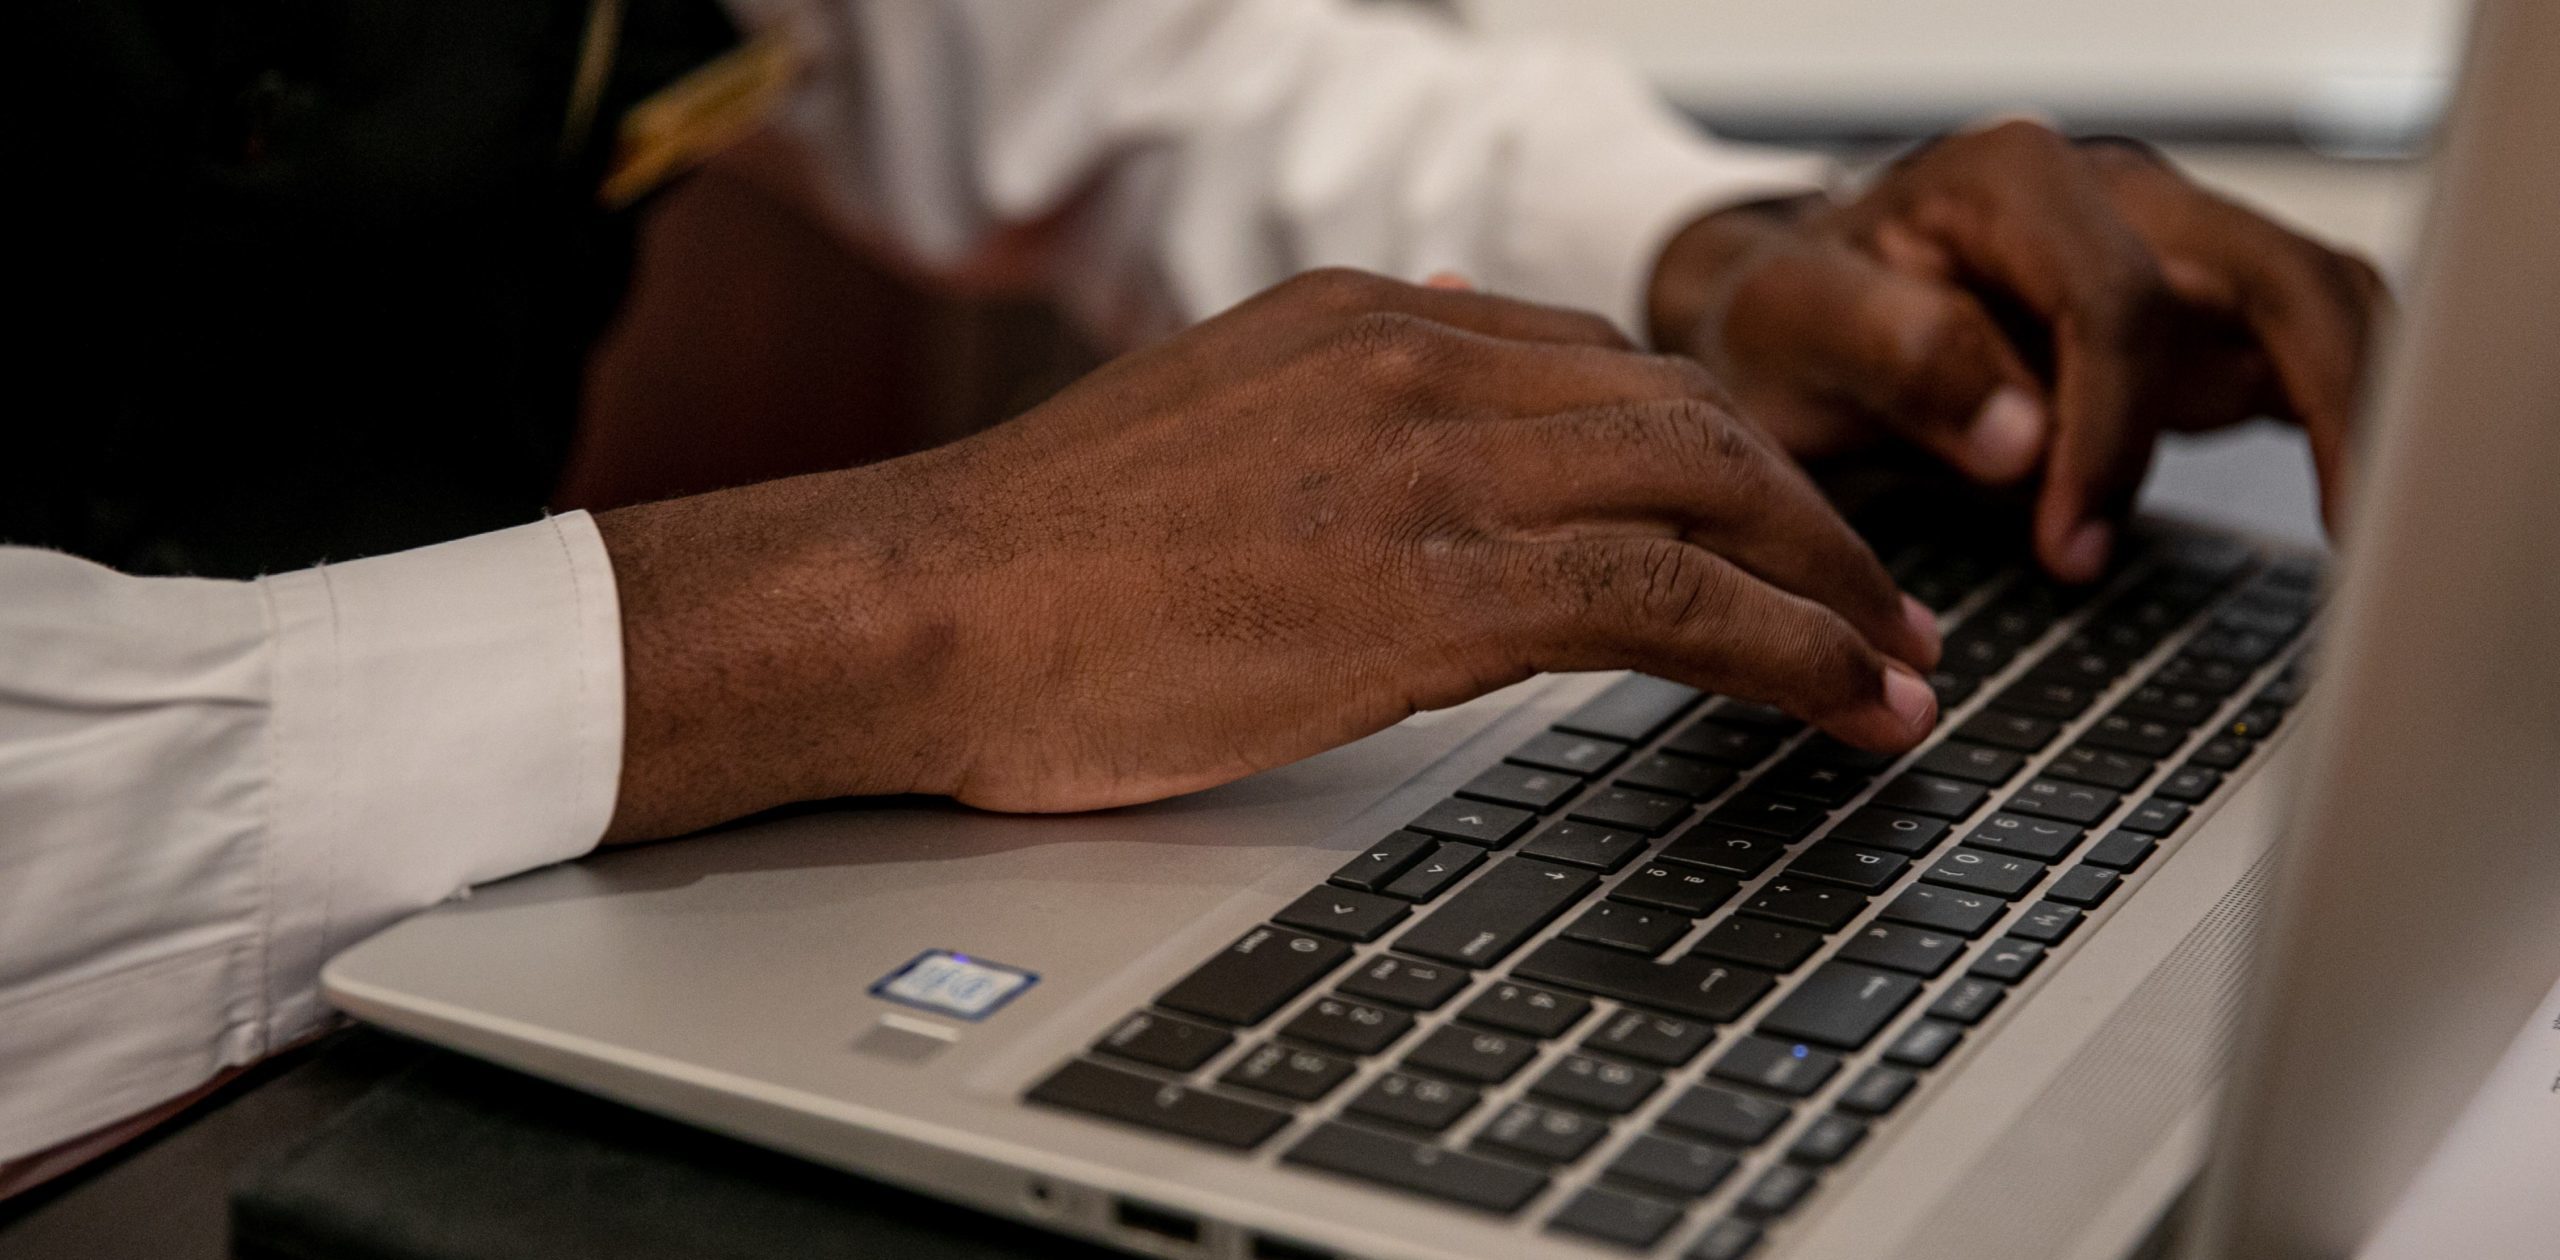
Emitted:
<point x="2017" y="303"/>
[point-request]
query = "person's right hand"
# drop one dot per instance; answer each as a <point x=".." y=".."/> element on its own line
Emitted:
<point x="1343" y="501"/>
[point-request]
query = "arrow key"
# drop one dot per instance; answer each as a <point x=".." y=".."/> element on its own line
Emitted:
<point x="1432" y="876"/>
<point x="1343" y="912"/>
<point x="1377" y="866"/>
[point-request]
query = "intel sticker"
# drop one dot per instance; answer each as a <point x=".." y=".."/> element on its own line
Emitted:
<point x="954" y="984"/>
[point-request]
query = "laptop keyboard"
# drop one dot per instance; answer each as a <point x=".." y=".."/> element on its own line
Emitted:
<point x="1654" y="974"/>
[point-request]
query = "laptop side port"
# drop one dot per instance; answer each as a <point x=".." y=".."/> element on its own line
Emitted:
<point x="1265" y="1247"/>
<point x="1157" y="1222"/>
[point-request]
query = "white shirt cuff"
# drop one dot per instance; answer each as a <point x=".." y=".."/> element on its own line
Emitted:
<point x="1596" y="204"/>
<point x="442" y="717"/>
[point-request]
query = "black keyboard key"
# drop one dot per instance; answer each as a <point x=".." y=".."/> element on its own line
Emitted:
<point x="1596" y="1084"/>
<point x="2046" y="923"/>
<point x="1524" y="787"/>
<point x="2286" y="690"/>
<point x="1343" y="912"/>
<point x="2084" y="885"/>
<point x="1890" y="830"/>
<point x="2092" y="670"/>
<point x="1967" y="1001"/>
<point x="2045" y="698"/>
<point x="1338" y="1023"/>
<point x="2009" y="730"/>
<point x="2101" y="767"/>
<point x="1758" y="943"/>
<point x="1780" y="1067"/>
<point x="1162" y="1041"/>
<point x="1925" y="1042"/>
<point x="1904" y="948"/>
<point x="2021" y="836"/>
<point x="1877" y="1090"/>
<point x="1828" y="1139"/>
<point x="1635" y="929"/>
<point x="1438" y="869"/>
<point x="2222" y="752"/>
<point x="1418" y="1102"/>
<point x="1824" y="785"/>
<point x="1470" y="1181"/>
<point x="1745" y="853"/>
<point x="1973" y="763"/>
<point x="1625" y="1220"/>
<point x="2246" y="648"/>
<point x="1944" y="909"/>
<point x="1651" y="1038"/>
<point x="1631" y="710"/>
<point x="1931" y="795"/>
<point x="1574" y="754"/>
<point x="1863" y="869"/>
<point x="1521" y="1008"/>
<point x="1475" y="822"/>
<point x="1769" y="814"/>
<point x="1755" y="716"/>
<point x="1379" y="865"/>
<point x="1629" y="809"/>
<point x="1841" y="1004"/>
<point x="1978" y="870"/>
<point x="1818" y="906"/>
<point x="1725" y="1115"/>
<point x="2121" y="850"/>
<point x="2074" y="803"/>
<point x="1823" y="750"/>
<point x="1952" y="688"/>
<point x="1677" y="887"/>
<point x="1550" y="1135"/>
<point x="2155" y="817"/>
<point x="2143" y="737"/>
<point x="2189" y="784"/>
<point x="2177" y="706"/>
<point x="1699" y="988"/>
<point x="1975" y="652"/>
<point x="2255" y="722"/>
<point x="1731" y="1238"/>
<point x="1245" y="982"/>
<point x="1587" y="844"/>
<point x="2007" y="961"/>
<point x="1418" y="986"/>
<point x="1304" y="1075"/>
<point x="2195" y="673"/>
<point x="1685" y="1170"/>
<point x="1149" y="1103"/>
<point x="1777" y="1191"/>
<point x="1728" y="745"/>
<point x="1470" y="1054"/>
<point x="1679" y="776"/>
<point x="1491" y="916"/>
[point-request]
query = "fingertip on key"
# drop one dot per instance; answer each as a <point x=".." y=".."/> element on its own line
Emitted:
<point x="2006" y="437"/>
<point x="1911" y="699"/>
<point x="2085" y="551"/>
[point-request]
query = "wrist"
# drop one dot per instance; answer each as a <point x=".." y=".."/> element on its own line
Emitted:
<point x="775" y="649"/>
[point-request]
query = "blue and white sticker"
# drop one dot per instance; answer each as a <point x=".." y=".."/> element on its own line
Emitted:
<point x="954" y="984"/>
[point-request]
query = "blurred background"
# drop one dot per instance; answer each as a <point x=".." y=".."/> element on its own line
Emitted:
<point x="760" y="343"/>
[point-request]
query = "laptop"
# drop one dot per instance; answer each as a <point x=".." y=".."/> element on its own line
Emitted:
<point x="1600" y="966"/>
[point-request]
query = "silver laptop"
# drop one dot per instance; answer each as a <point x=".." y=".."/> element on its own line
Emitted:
<point x="1600" y="966"/>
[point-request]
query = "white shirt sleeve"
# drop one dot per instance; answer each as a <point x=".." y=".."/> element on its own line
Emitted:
<point x="207" y="788"/>
<point x="1170" y="157"/>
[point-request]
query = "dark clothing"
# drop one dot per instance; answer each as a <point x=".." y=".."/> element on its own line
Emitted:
<point x="308" y="279"/>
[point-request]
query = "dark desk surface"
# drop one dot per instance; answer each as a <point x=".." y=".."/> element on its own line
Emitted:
<point x="368" y="1145"/>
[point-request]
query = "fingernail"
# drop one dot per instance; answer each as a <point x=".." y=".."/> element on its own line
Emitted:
<point x="1447" y="280"/>
<point x="2084" y="554"/>
<point x="1910" y="698"/>
<point x="1924" y="625"/>
<point x="2005" y="437"/>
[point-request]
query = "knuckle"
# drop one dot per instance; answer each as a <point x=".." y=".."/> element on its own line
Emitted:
<point x="1391" y="350"/>
<point x="2021" y="138"/>
<point x="1688" y="377"/>
<point x="1342" y="289"/>
<point x="1597" y="329"/>
<point x="1673" y="586"/>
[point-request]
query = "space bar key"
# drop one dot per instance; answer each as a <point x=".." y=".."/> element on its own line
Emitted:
<point x="1695" y="987"/>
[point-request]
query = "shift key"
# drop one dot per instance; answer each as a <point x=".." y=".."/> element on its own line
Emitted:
<point x="1257" y="975"/>
<point x="1490" y="917"/>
